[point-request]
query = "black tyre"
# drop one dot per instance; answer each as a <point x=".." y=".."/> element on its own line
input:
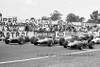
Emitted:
<point x="50" y="43"/>
<point x="56" y="42"/>
<point x="80" y="46"/>
<point x="0" y="39"/>
<point x="91" y="45"/>
<point x="7" y="41"/>
<point x="27" y="39"/>
<point x="34" y="40"/>
<point x="98" y="42"/>
<point x="61" y="41"/>
<point x="20" y="41"/>
<point x="65" y="44"/>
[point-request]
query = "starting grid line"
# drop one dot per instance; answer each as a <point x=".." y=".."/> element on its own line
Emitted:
<point x="72" y="53"/>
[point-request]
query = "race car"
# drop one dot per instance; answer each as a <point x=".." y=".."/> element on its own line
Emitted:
<point x="19" y="39"/>
<point x="47" y="41"/>
<point x="43" y="38"/>
<point x="78" y="42"/>
<point x="96" y="40"/>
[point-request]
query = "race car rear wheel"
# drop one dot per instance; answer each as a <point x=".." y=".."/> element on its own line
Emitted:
<point x="35" y="43"/>
<point x="80" y="46"/>
<point x="27" y="39"/>
<point x="98" y="42"/>
<point x="91" y="45"/>
<point x="20" y="41"/>
<point x="65" y="44"/>
<point x="50" y="43"/>
<point x="34" y="40"/>
<point x="0" y="39"/>
<point x="61" y="41"/>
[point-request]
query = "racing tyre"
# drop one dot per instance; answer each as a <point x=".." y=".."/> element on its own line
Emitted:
<point x="0" y="39"/>
<point x="34" y="41"/>
<point x="65" y="44"/>
<point x="91" y="45"/>
<point x="55" y="42"/>
<point x="61" y="41"/>
<point x="80" y="46"/>
<point x="50" y="43"/>
<point x="98" y="42"/>
<point x="20" y="41"/>
<point x="7" y="41"/>
<point x="27" y="39"/>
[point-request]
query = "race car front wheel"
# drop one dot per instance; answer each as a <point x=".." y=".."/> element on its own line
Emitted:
<point x="20" y="41"/>
<point x="65" y="44"/>
<point x="50" y="43"/>
<point x="7" y="41"/>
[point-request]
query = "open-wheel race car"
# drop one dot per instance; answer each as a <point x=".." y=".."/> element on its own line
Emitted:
<point x="43" y="38"/>
<point x="78" y="42"/>
<point x="21" y="39"/>
<point x="96" y="40"/>
<point x="48" y="41"/>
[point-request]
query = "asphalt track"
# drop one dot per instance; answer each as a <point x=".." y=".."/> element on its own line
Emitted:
<point x="16" y="52"/>
<point x="15" y="55"/>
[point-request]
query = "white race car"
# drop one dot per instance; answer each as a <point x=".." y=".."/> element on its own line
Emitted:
<point x="96" y="40"/>
<point x="78" y="42"/>
<point x="48" y="41"/>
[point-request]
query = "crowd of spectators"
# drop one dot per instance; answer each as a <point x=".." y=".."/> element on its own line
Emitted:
<point x="50" y="28"/>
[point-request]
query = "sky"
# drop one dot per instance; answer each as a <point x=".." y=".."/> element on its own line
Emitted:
<point x="38" y="8"/>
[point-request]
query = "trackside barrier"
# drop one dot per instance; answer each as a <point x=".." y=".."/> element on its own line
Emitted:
<point x="15" y="34"/>
<point x="64" y="34"/>
<point x="44" y="34"/>
<point x="56" y="34"/>
<point x="59" y="34"/>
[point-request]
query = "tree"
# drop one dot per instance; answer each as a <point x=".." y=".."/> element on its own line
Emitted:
<point x="81" y="19"/>
<point x="45" y="18"/>
<point x="55" y="16"/>
<point x="72" y="17"/>
<point x="76" y="19"/>
<point x="90" y="21"/>
<point x="0" y="14"/>
<point x="95" y="16"/>
<point x="98" y="18"/>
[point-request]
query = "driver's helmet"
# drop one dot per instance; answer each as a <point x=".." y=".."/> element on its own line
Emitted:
<point x="8" y="34"/>
<point x="22" y="35"/>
